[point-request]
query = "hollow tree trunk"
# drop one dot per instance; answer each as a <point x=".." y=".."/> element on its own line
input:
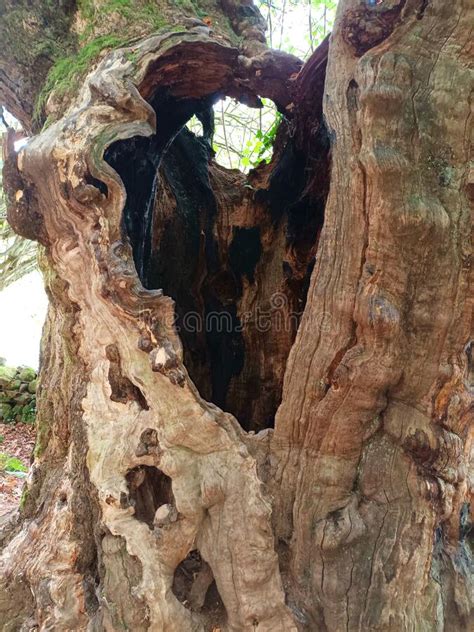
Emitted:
<point x="149" y="506"/>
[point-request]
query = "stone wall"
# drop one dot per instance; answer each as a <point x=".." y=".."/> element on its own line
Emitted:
<point x="17" y="394"/>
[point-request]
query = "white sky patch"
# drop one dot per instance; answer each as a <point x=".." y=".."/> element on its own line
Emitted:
<point x="22" y="312"/>
<point x="20" y="143"/>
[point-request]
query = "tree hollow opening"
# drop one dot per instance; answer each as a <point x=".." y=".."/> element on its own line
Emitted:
<point x="149" y="488"/>
<point x="235" y="251"/>
<point x="195" y="587"/>
<point x="243" y="136"/>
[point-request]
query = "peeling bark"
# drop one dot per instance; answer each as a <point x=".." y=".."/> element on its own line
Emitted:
<point x="152" y="504"/>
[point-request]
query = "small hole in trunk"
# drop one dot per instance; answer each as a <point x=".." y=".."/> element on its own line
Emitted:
<point x="194" y="586"/>
<point x="149" y="488"/>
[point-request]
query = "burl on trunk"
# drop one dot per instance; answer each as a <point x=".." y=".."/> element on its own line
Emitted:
<point x="256" y="390"/>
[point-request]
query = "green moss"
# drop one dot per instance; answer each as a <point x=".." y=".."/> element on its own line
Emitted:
<point x="65" y="75"/>
<point x="43" y="431"/>
<point x="86" y="7"/>
<point x="191" y="6"/>
<point x="68" y="69"/>
<point x="132" y="56"/>
<point x="148" y="12"/>
<point x="118" y="5"/>
<point x="17" y="41"/>
<point x="49" y="121"/>
<point x="24" y="497"/>
<point x="33" y="35"/>
<point x="27" y="374"/>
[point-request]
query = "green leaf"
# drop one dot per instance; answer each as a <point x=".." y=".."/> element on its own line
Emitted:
<point x="11" y="463"/>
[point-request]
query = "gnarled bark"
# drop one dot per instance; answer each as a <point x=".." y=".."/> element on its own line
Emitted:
<point x="151" y="507"/>
<point x="373" y="434"/>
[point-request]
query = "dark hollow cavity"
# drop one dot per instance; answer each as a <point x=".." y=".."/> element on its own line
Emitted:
<point x="185" y="240"/>
<point x="194" y="586"/>
<point x="123" y="390"/>
<point x="149" y="488"/>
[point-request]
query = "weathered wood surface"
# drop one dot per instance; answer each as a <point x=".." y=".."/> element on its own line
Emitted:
<point x="351" y="513"/>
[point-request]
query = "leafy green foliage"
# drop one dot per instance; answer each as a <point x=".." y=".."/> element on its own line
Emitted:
<point x="11" y="464"/>
<point x="244" y="137"/>
<point x="312" y="20"/>
<point x="20" y="414"/>
<point x="260" y="148"/>
<point x="28" y="413"/>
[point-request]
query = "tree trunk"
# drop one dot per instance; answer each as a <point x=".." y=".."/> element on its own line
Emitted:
<point x="205" y="460"/>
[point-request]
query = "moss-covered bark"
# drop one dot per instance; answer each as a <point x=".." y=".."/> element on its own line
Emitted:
<point x="33" y="35"/>
<point x="49" y="47"/>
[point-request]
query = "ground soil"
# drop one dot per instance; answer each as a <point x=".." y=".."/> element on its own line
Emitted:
<point x="17" y="441"/>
